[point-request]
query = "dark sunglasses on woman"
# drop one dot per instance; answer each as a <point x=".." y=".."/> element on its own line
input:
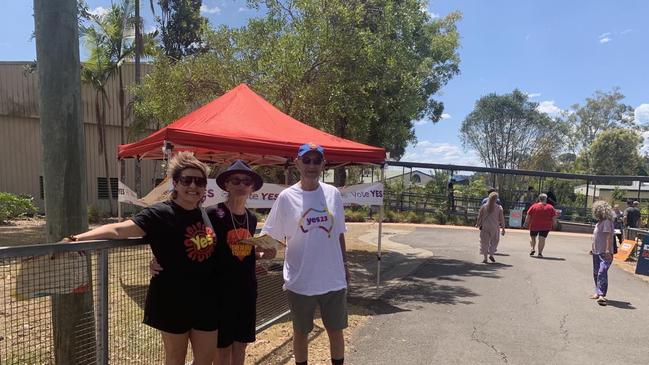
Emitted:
<point x="199" y="181"/>
<point x="311" y="160"/>
<point x="237" y="181"/>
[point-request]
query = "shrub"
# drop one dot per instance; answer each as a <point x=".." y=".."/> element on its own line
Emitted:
<point x="14" y="206"/>
<point x="412" y="217"/>
<point x="94" y="216"/>
<point x="355" y="215"/>
<point x="440" y="217"/>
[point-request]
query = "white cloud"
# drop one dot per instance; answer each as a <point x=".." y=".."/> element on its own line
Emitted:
<point x="533" y="95"/>
<point x="207" y="10"/>
<point x="98" y="11"/>
<point x="548" y="107"/>
<point x="605" y="37"/>
<point x="242" y="9"/>
<point x="642" y="114"/>
<point x="626" y="31"/>
<point x="446" y="116"/>
<point x="420" y="122"/>
<point x="444" y="153"/>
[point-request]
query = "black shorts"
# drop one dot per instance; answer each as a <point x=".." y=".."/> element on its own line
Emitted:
<point x="237" y="319"/>
<point x="178" y="309"/>
<point x="539" y="233"/>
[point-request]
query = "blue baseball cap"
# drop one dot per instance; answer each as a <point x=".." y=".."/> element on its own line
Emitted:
<point x="308" y="147"/>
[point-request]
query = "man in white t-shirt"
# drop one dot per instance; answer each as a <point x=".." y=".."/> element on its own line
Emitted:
<point x="311" y="217"/>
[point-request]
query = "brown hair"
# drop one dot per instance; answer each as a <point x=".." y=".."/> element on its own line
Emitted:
<point x="181" y="161"/>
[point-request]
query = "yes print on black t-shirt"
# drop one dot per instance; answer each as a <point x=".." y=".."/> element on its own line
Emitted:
<point x="199" y="241"/>
<point x="240" y="250"/>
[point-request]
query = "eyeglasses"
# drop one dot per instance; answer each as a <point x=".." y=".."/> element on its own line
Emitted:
<point x="237" y="181"/>
<point x="199" y="181"/>
<point x="311" y="160"/>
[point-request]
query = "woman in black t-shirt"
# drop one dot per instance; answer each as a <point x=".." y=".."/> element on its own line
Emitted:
<point x="179" y="301"/>
<point x="233" y="222"/>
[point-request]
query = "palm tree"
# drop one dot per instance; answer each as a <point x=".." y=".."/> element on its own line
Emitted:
<point x="110" y="40"/>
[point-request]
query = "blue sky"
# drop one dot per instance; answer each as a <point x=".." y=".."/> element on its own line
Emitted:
<point x="560" y="52"/>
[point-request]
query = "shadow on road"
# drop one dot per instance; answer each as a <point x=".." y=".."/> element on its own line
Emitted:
<point x="549" y="258"/>
<point x="619" y="304"/>
<point x="434" y="280"/>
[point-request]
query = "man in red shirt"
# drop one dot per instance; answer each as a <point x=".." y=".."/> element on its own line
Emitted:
<point x="540" y="220"/>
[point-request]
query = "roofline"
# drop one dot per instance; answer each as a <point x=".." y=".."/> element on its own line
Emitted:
<point x="561" y="175"/>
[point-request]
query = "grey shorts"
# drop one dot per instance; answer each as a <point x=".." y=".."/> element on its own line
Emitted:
<point x="333" y="309"/>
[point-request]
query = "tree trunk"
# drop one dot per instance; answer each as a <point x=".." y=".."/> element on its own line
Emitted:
<point x="64" y="163"/>
<point x="122" y="122"/>
<point x="340" y="174"/>
<point x="138" y="51"/>
<point x="104" y="148"/>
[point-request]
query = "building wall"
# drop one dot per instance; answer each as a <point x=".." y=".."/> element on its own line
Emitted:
<point x="20" y="139"/>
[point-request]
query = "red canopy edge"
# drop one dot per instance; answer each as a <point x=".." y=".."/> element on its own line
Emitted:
<point x="241" y="124"/>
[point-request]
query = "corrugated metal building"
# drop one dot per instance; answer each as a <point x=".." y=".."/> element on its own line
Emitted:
<point x="20" y="137"/>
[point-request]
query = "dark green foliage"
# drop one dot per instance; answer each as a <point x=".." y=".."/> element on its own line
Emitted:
<point x="14" y="206"/>
<point x="182" y="27"/>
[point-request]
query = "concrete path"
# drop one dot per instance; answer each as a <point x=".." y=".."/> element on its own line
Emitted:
<point x="441" y="305"/>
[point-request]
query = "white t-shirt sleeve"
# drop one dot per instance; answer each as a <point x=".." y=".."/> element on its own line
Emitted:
<point x="274" y="225"/>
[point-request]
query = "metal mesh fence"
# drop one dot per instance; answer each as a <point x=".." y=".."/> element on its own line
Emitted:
<point x="61" y="307"/>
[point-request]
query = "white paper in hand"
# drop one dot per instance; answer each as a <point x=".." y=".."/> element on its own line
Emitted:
<point x="264" y="241"/>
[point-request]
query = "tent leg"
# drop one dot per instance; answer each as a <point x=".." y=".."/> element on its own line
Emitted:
<point x="119" y="178"/>
<point x="378" y="250"/>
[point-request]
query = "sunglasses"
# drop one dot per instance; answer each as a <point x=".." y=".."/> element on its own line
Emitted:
<point x="199" y="181"/>
<point x="237" y="181"/>
<point x="311" y="160"/>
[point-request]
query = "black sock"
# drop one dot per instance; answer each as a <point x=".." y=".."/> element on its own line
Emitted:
<point x="301" y="363"/>
<point x="340" y="361"/>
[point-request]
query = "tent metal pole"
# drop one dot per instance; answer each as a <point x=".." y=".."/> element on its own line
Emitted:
<point x="119" y="179"/>
<point x="586" y="200"/>
<point x="378" y="250"/>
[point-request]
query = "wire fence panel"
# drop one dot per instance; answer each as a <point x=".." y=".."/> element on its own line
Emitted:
<point x="60" y="306"/>
<point x="272" y="303"/>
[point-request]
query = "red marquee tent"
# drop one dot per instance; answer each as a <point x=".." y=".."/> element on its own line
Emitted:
<point x="241" y="124"/>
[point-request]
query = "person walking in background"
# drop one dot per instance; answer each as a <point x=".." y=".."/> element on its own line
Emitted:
<point x="179" y="302"/>
<point x="552" y="199"/>
<point x="485" y="199"/>
<point x="602" y="249"/>
<point x="618" y="223"/>
<point x="631" y="217"/>
<point x="527" y="199"/>
<point x="311" y="217"/>
<point x="540" y="220"/>
<point x="491" y="222"/>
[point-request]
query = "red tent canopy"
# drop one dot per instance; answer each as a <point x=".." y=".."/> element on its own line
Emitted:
<point x="241" y="124"/>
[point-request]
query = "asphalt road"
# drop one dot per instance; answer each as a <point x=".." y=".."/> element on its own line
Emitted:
<point x="453" y="309"/>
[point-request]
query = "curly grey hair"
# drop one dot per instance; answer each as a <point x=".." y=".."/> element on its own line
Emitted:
<point x="602" y="211"/>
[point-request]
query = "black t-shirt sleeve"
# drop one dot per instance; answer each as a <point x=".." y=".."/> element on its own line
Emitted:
<point x="149" y="218"/>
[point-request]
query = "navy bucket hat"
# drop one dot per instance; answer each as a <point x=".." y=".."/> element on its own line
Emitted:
<point x="239" y="167"/>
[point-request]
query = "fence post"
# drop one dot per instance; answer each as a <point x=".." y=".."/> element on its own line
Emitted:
<point x="102" y="307"/>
